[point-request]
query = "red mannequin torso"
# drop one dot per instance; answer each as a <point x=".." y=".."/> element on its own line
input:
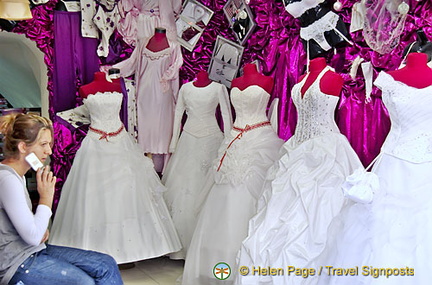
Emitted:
<point x="251" y="76"/>
<point x="416" y="73"/>
<point x="159" y="41"/>
<point x="202" y="79"/>
<point x="331" y="82"/>
<point x="100" y="84"/>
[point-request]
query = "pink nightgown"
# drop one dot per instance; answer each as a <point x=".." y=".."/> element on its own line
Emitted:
<point x="155" y="105"/>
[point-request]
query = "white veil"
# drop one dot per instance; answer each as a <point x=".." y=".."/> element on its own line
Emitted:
<point x="383" y="24"/>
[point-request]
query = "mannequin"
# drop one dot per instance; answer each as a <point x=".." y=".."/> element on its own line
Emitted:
<point x="416" y="73"/>
<point x="251" y="76"/>
<point x="159" y="40"/>
<point x="202" y="79"/>
<point x="331" y="83"/>
<point x="100" y="84"/>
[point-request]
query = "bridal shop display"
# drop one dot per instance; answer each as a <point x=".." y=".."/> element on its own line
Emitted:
<point x="236" y="134"/>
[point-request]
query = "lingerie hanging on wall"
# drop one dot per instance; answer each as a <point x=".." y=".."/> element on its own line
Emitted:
<point x="140" y="18"/>
<point x="321" y="29"/>
<point x="241" y="24"/>
<point x="191" y="23"/>
<point x="225" y="61"/>
<point x="240" y="18"/>
<point x="106" y="19"/>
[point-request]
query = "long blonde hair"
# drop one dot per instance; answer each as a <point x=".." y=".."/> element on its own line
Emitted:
<point x="19" y="127"/>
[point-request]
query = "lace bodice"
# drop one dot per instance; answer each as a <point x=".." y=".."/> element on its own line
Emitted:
<point x="410" y="110"/>
<point x="104" y="109"/>
<point x="315" y="110"/>
<point x="250" y="105"/>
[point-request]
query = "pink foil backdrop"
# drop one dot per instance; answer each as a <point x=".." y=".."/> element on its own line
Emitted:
<point x="276" y="44"/>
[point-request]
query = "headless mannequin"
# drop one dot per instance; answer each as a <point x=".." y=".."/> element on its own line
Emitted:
<point x="331" y="82"/>
<point x="158" y="41"/>
<point x="251" y="76"/>
<point x="202" y="79"/>
<point x="100" y="84"/>
<point x="416" y="73"/>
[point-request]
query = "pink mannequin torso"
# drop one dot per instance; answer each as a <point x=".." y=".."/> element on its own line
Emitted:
<point x="250" y="77"/>
<point x="100" y="84"/>
<point x="202" y="79"/>
<point x="331" y="82"/>
<point x="158" y="41"/>
<point x="416" y="73"/>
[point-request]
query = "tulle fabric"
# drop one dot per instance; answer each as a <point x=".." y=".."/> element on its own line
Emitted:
<point x="301" y="196"/>
<point x="384" y="23"/>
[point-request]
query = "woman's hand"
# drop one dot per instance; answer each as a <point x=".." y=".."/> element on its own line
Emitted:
<point x="45" y="237"/>
<point x="45" y="185"/>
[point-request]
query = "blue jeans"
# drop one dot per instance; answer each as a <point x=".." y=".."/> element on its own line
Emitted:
<point x="65" y="265"/>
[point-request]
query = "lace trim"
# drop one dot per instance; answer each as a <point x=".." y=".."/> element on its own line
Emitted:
<point x="155" y="55"/>
<point x="316" y="30"/>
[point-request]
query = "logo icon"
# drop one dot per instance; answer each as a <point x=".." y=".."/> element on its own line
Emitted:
<point x="222" y="271"/>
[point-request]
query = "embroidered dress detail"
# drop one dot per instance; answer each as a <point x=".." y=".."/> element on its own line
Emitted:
<point x="315" y="111"/>
<point x="247" y="128"/>
<point x="156" y="55"/>
<point x="151" y="12"/>
<point x="105" y="135"/>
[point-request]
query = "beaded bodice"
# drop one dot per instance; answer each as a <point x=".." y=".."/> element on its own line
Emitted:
<point x="410" y="110"/>
<point x="315" y="110"/>
<point x="250" y="105"/>
<point x="104" y="109"/>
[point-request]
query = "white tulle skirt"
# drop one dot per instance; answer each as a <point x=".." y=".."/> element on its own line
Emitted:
<point x="389" y="240"/>
<point x="302" y="194"/>
<point x="184" y="178"/>
<point x="231" y="202"/>
<point x="112" y="202"/>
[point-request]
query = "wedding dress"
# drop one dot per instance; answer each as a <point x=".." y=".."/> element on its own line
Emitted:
<point x="245" y="155"/>
<point x="112" y="198"/>
<point x="302" y="192"/>
<point x="394" y="231"/>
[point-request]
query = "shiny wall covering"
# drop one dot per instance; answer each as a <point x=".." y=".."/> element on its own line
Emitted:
<point x="275" y="42"/>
